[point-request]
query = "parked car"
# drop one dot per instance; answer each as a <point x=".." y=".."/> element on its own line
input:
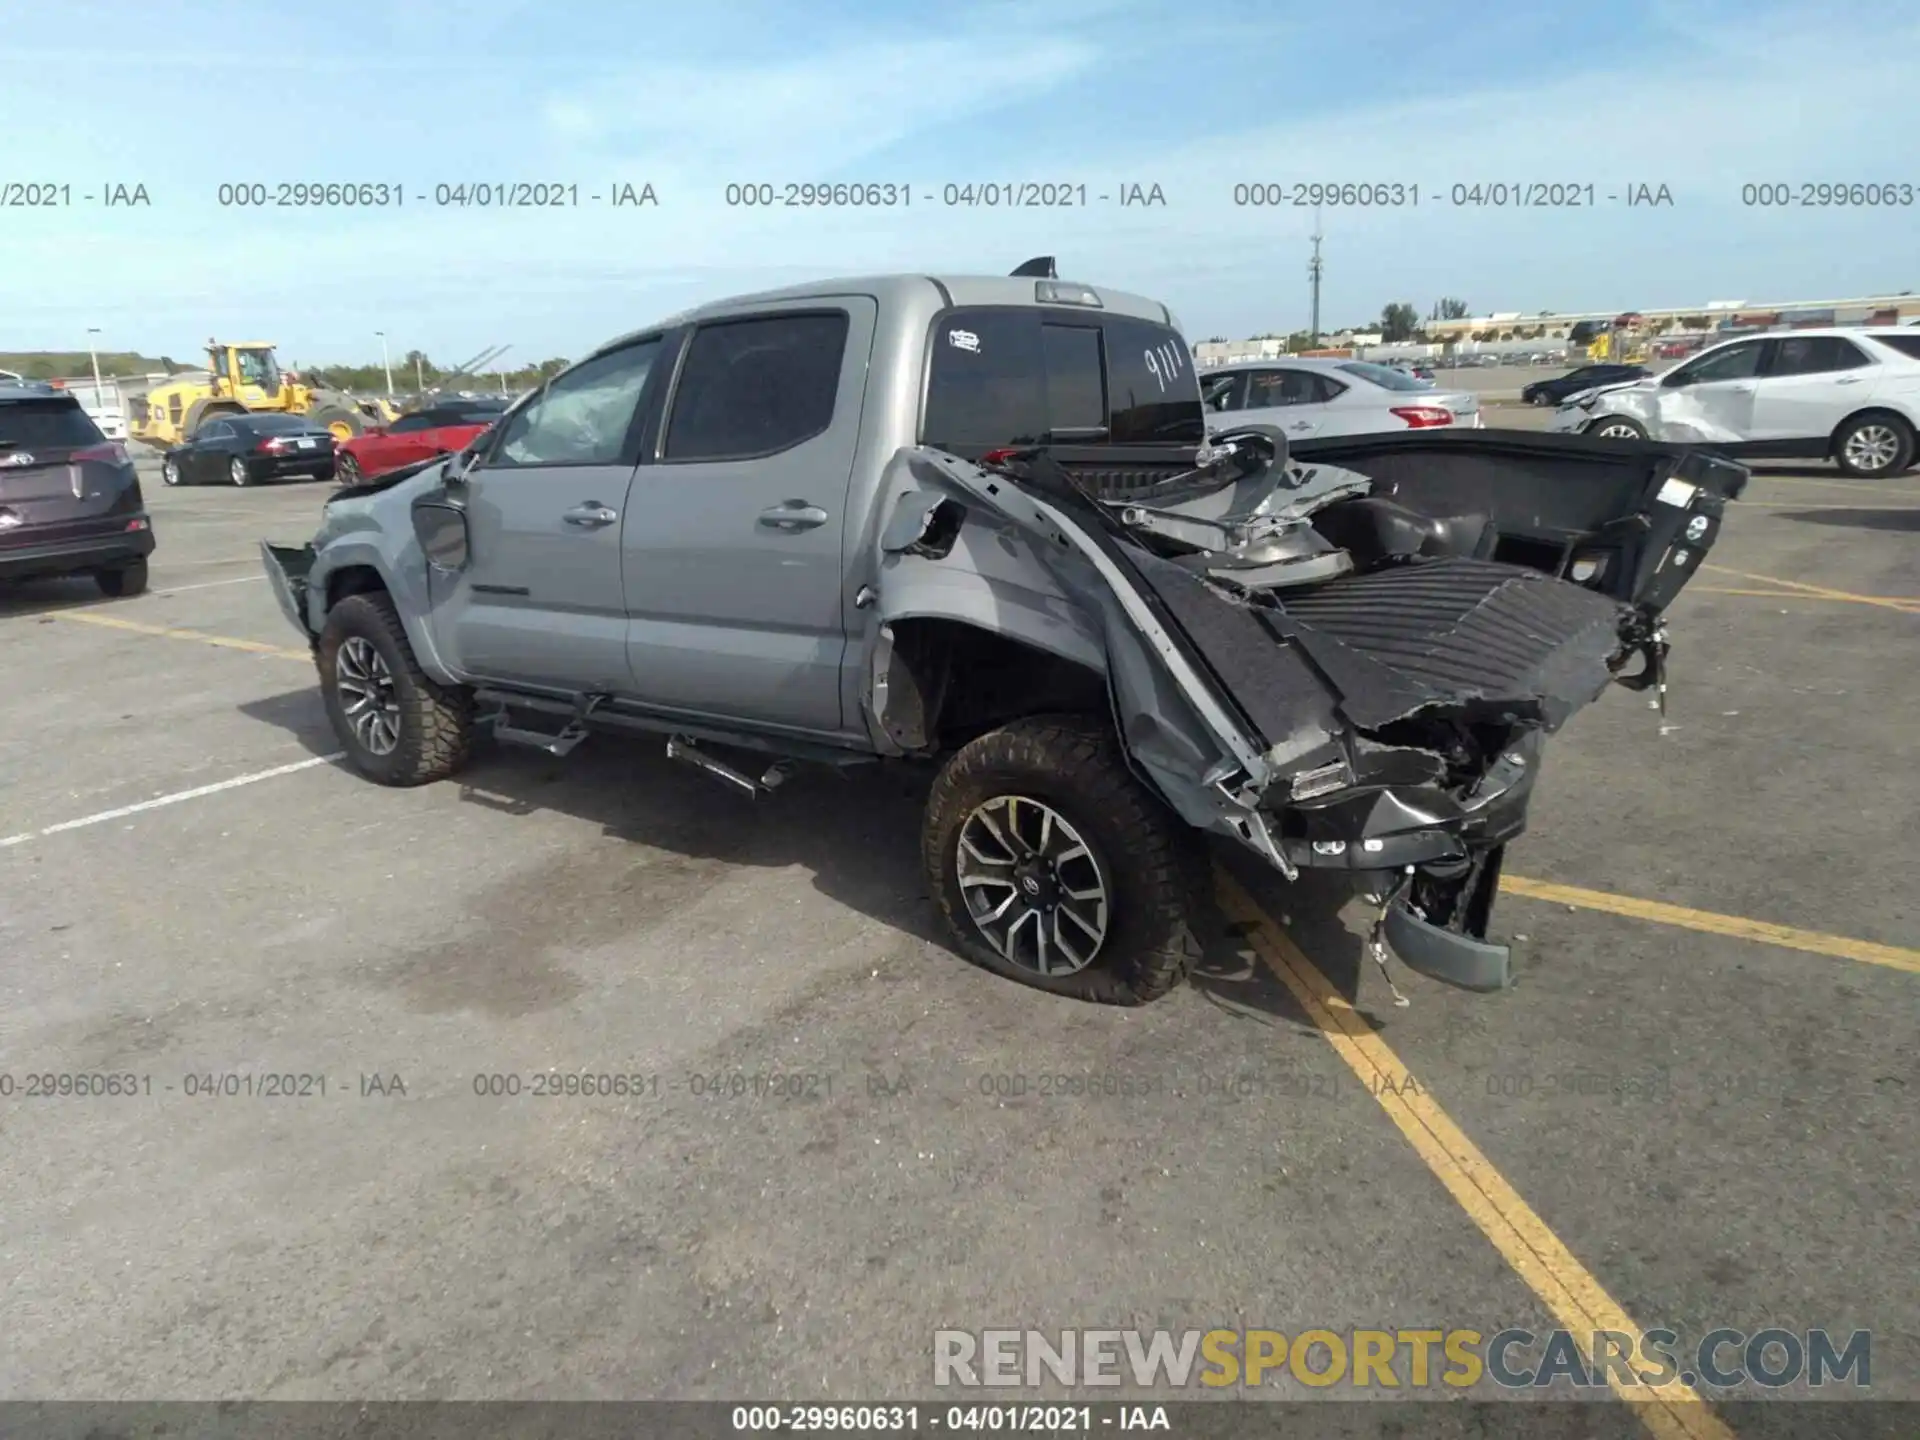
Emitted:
<point x="250" y="449"/>
<point x="1306" y="398"/>
<point x="1558" y="389"/>
<point x="1847" y="395"/>
<point x="70" y="502"/>
<point x="442" y="428"/>
<point x="980" y="522"/>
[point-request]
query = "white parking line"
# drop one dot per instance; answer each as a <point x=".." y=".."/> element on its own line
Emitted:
<point x="208" y="584"/>
<point x="174" y="799"/>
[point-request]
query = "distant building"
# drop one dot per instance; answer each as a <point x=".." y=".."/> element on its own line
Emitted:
<point x="1716" y="315"/>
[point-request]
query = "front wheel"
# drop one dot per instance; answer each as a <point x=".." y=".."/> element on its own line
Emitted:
<point x="170" y="471"/>
<point x="347" y="470"/>
<point x="398" y="725"/>
<point x="1874" y="446"/>
<point x="1616" y="427"/>
<point x="1052" y="866"/>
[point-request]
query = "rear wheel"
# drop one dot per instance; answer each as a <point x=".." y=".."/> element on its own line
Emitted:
<point x="1052" y="866"/>
<point x="399" y="726"/>
<point x="238" y="473"/>
<point x="122" y="580"/>
<point x="1874" y="446"/>
<point x="1616" y="427"/>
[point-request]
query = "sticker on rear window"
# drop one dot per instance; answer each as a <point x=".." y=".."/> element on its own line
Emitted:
<point x="1677" y="492"/>
<point x="964" y="340"/>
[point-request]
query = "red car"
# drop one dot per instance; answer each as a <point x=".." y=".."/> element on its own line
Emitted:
<point x="441" y="429"/>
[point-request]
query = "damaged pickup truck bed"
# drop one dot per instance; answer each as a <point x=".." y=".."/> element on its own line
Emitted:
<point x="980" y="521"/>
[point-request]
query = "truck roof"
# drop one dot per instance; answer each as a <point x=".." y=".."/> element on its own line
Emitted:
<point x="893" y="290"/>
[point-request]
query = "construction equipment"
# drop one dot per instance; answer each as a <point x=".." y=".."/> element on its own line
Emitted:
<point x="245" y="376"/>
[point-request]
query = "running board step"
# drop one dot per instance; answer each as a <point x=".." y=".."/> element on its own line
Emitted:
<point x="563" y="742"/>
<point x="684" y="750"/>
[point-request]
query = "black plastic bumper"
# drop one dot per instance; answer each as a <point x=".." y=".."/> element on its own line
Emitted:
<point x="1446" y="955"/>
<point x="76" y="554"/>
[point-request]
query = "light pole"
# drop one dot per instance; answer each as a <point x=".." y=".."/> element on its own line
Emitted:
<point x="419" y="383"/>
<point x="384" y="364"/>
<point x="93" y="355"/>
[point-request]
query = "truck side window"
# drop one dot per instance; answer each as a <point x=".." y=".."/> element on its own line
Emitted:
<point x="584" y="416"/>
<point x="751" y="388"/>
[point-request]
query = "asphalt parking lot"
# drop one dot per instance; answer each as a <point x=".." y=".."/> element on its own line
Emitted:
<point x="1697" y="1109"/>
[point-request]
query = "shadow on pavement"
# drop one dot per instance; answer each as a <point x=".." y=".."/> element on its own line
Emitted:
<point x="1905" y="520"/>
<point x="856" y="831"/>
<point x="38" y="597"/>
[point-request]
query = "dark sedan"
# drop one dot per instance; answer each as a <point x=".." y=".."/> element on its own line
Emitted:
<point x="250" y="449"/>
<point x="1557" y="390"/>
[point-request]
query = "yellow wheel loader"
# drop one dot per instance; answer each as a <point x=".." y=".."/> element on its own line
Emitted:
<point x="245" y="376"/>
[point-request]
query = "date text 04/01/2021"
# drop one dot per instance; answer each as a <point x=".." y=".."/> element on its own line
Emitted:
<point x="897" y="195"/>
<point x="961" y="1419"/>
<point x="458" y="195"/>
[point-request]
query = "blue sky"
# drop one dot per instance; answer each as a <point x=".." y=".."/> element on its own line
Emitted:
<point x="183" y="95"/>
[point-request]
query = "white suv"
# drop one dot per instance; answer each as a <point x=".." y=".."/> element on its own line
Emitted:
<point x="1847" y="395"/>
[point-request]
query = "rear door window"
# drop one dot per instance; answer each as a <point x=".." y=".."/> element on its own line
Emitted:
<point x="1908" y="345"/>
<point x="750" y="388"/>
<point x="1815" y="355"/>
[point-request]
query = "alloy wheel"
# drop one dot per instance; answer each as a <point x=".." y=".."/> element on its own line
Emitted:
<point x="237" y="471"/>
<point x="1033" y="887"/>
<point x="368" y="697"/>
<point x="170" y="471"/>
<point x="1612" y="430"/>
<point x="1872" y="447"/>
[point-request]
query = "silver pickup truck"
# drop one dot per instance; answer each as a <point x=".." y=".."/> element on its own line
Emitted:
<point x="980" y="522"/>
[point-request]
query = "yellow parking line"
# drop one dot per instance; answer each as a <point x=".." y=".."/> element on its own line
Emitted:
<point x="1671" y="1411"/>
<point x="1792" y="595"/>
<point x="1904" y="603"/>
<point x="115" y="622"/>
<point x="1738" y="927"/>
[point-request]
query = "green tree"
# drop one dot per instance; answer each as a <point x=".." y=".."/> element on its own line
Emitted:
<point x="1398" y="323"/>
<point x="1449" y="308"/>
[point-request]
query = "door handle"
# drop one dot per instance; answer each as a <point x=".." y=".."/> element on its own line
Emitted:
<point x="591" y="516"/>
<point x="793" y="515"/>
<point x="1848" y="380"/>
<point x="1301" y="425"/>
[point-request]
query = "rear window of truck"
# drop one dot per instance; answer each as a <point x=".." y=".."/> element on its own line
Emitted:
<point x="55" y="423"/>
<point x="1016" y="375"/>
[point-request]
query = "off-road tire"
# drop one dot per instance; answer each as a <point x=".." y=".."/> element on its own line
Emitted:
<point x="1154" y="864"/>
<point x="436" y="721"/>
<point x="1635" y="430"/>
<point x="1903" y="436"/>
<point x="327" y="416"/>
<point x="123" y="580"/>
